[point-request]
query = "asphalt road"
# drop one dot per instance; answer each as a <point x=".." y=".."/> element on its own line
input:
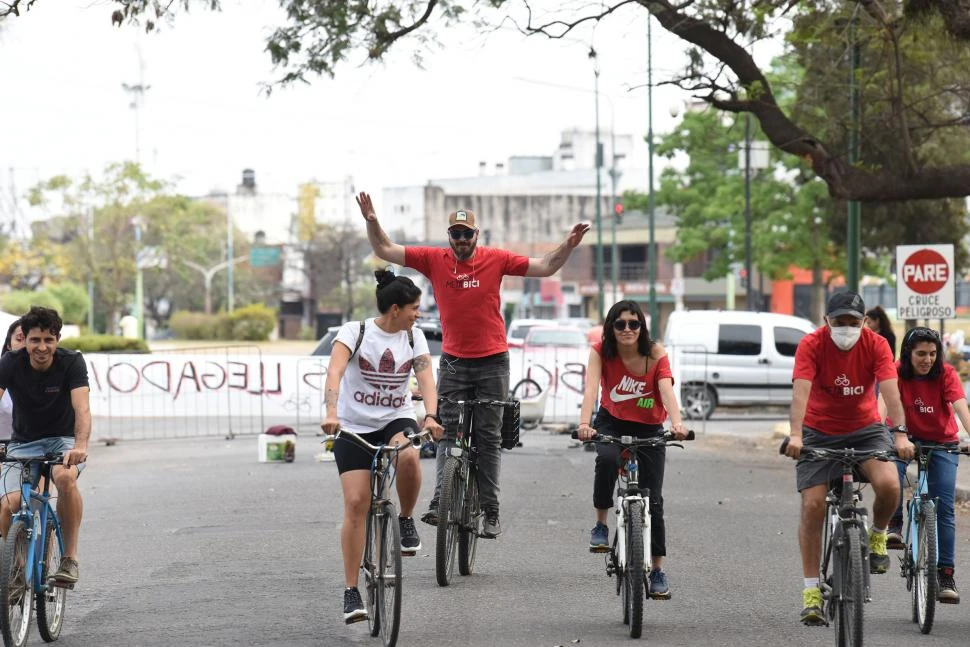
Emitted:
<point x="192" y="542"/>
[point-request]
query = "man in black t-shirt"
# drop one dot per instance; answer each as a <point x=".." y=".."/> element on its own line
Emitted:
<point x="51" y="415"/>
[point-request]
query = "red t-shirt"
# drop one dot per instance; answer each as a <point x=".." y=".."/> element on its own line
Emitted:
<point x="468" y="295"/>
<point x="842" y="399"/>
<point x="927" y="405"/>
<point x="635" y="398"/>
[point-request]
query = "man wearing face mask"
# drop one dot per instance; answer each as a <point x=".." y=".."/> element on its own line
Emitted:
<point x="833" y="406"/>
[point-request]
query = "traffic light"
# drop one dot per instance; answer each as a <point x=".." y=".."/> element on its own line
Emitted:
<point x="744" y="278"/>
<point x="618" y="212"/>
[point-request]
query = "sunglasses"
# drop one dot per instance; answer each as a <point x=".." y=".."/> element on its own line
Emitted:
<point x="457" y="233"/>
<point x="921" y="334"/>
<point x="623" y="324"/>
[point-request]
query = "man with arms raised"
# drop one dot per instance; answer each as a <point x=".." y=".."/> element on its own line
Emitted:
<point x="467" y="280"/>
<point x="51" y="415"/>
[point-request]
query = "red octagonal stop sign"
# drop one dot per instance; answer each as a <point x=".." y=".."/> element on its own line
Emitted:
<point x="925" y="271"/>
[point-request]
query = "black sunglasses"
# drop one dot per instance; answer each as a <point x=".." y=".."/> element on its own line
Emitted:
<point x="919" y="334"/>
<point x="457" y="233"/>
<point x="623" y="324"/>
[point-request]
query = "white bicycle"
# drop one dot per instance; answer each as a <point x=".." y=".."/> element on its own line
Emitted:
<point x="629" y="555"/>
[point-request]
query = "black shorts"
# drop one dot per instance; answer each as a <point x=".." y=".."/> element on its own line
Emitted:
<point x="351" y="456"/>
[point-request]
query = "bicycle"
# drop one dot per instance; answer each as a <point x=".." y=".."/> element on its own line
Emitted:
<point x="629" y="555"/>
<point x="460" y="513"/>
<point x="845" y="544"/>
<point x="920" y="553"/>
<point x="32" y="550"/>
<point x="381" y="562"/>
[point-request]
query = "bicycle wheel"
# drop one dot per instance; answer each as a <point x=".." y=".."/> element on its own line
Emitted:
<point x="16" y="598"/>
<point x="389" y="575"/>
<point x="635" y="573"/>
<point x="50" y="602"/>
<point x="849" y="612"/>
<point x="925" y="578"/>
<point x="471" y="522"/>
<point x="369" y="565"/>
<point x="450" y="505"/>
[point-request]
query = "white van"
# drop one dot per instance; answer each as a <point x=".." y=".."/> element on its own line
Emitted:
<point x="732" y="357"/>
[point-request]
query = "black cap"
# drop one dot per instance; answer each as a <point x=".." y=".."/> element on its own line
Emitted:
<point x="845" y="303"/>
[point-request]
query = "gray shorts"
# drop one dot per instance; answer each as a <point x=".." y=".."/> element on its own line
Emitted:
<point x="11" y="477"/>
<point x="808" y="473"/>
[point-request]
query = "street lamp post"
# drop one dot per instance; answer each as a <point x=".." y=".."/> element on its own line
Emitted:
<point x="599" y="188"/>
<point x="614" y="177"/>
<point x="652" y="243"/>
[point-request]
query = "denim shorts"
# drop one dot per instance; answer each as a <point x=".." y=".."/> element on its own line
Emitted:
<point x="54" y="445"/>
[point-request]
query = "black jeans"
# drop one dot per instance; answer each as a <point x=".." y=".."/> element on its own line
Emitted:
<point x="651" y="476"/>
<point x="469" y="379"/>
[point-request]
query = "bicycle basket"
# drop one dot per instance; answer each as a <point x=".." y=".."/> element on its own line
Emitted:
<point x="510" y="424"/>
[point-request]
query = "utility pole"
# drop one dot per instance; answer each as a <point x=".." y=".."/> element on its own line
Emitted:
<point x="599" y="188"/>
<point x="208" y="273"/>
<point x="651" y="202"/>
<point x="137" y="93"/>
<point x="853" y="237"/>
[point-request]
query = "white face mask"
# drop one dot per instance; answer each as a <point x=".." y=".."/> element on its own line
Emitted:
<point x="845" y="337"/>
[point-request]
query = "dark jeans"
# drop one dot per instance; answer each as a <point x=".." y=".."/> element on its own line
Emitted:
<point x="469" y="379"/>
<point x="942" y="484"/>
<point x="651" y="461"/>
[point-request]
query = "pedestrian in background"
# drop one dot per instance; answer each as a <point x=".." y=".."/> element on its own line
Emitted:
<point x="878" y="321"/>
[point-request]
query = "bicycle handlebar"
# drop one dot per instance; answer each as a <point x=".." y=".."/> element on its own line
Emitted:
<point x="53" y="459"/>
<point x="416" y="439"/>
<point x="848" y="454"/>
<point x="927" y="446"/>
<point x="476" y="401"/>
<point x="629" y="441"/>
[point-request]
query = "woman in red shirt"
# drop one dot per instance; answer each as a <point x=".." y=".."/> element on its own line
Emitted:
<point x="630" y="373"/>
<point x="931" y="392"/>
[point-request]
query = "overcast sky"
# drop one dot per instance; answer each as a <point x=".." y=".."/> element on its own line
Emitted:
<point x="483" y="97"/>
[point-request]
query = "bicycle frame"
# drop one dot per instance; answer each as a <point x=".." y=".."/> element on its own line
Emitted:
<point x="630" y="494"/>
<point x="921" y="495"/>
<point x="843" y="514"/>
<point x="35" y="511"/>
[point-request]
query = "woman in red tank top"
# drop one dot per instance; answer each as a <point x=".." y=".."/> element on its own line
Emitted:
<point x="630" y="375"/>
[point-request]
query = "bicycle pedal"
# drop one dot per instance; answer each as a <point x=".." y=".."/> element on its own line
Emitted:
<point x="408" y="553"/>
<point x="60" y="584"/>
<point x="599" y="549"/>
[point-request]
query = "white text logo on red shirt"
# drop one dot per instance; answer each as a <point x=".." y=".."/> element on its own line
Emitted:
<point x="843" y="384"/>
<point x="922" y="407"/>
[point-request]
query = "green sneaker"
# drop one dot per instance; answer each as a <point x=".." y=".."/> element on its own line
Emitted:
<point x="812" y="611"/>
<point x="878" y="553"/>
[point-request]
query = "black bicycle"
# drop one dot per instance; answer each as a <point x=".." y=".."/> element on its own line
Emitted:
<point x="460" y="514"/>
<point x="381" y="562"/>
<point x="629" y="556"/>
<point x="844" y="565"/>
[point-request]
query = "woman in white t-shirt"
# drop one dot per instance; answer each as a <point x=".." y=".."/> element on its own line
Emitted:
<point x="14" y="341"/>
<point x="368" y="392"/>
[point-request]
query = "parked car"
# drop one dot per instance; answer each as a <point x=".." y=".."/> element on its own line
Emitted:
<point x="732" y="358"/>
<point x="541" y="337"/>
<point x="518" y="328"/>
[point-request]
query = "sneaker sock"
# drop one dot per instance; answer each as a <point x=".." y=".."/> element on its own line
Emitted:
<point x="811" y="582"/>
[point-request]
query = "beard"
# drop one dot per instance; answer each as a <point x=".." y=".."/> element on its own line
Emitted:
<point x="464" y="250"/>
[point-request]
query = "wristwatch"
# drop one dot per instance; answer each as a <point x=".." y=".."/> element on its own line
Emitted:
<point x="433" y="416"/>
<point x="900" y="429"/>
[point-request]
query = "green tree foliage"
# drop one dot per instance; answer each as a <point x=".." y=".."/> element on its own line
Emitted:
<point x="318" y="35"/>
<point x="74" y="302"/>
<point x="20" y="301"/>
<point x="95" y="218"/>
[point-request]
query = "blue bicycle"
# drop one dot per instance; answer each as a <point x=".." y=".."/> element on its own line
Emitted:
<point x="32" y="550"/>
<point x="919" y="560"/>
